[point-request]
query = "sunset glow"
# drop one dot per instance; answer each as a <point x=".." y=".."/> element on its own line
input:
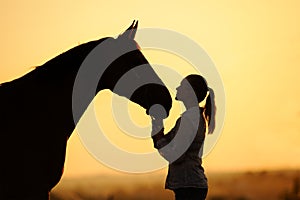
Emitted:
<point x="255" y="46"/>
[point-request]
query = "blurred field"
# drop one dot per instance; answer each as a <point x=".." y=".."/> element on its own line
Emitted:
<point x="262" y="185"/>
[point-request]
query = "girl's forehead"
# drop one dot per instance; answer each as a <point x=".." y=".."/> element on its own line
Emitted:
<point x="184" y="82"/>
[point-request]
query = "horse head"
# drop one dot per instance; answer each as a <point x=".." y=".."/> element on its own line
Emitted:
<point x="130" y="75"/>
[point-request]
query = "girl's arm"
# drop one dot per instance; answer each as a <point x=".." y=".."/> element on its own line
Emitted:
<point x="159" y="138"/>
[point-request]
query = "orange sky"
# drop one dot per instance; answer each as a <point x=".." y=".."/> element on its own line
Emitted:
<point x="254" y="44"/>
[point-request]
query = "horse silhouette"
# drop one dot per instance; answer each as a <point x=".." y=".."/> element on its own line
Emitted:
<point x="37" y="119"/>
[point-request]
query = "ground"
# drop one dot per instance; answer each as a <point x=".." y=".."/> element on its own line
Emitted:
<point x="259" y="185"/>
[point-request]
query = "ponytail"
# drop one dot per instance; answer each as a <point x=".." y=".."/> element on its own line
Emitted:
<point x="210" y="111"/>
<point x="200" y="88"/>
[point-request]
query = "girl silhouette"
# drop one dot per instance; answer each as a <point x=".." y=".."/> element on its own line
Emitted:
<point x="182" y="146"/>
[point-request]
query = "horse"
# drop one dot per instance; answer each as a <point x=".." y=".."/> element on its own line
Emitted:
<point x="37" y="116"/>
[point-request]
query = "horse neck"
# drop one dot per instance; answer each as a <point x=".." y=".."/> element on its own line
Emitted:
<point x="54" y="80"/>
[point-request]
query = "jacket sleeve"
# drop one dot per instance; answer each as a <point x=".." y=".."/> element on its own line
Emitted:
<point x="160" y="139"/>
<point x="175" y="143"/>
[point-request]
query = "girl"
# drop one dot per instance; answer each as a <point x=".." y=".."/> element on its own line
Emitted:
<point x="182" y="146"/>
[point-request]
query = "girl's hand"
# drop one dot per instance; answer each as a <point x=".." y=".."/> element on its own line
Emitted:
<point x="157" y="130"/>
<point x="157" y="123"/>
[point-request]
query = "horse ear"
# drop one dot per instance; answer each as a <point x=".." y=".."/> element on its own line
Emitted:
<point x="134" y="28"/>
<point x="130" y="32"/>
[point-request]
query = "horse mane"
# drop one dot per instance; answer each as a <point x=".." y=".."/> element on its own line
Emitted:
<point x="58" y="67"/>
<point x="66" y="63"/>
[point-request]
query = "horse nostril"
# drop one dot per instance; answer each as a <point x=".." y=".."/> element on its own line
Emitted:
<point x="157" y="111"/>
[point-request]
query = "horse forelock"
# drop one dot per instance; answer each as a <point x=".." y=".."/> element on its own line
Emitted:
<point x="137" y="45"/>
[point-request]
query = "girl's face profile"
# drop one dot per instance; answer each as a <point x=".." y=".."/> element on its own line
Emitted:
<point x="183" y="90"/>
